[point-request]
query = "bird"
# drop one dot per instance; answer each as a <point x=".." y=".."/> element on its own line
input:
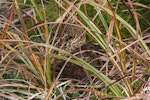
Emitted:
<point x="69" y="38"/>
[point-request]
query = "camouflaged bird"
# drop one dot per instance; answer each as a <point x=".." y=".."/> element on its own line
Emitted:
<point x="70" y="37"/>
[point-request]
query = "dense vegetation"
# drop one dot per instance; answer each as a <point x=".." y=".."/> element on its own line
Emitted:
<point x="74" y="49"/>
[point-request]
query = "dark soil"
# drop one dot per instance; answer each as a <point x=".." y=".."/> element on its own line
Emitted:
<point x="78" y="72"/>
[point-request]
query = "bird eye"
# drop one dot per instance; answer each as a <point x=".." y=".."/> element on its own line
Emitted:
<point x="70" y="37"/>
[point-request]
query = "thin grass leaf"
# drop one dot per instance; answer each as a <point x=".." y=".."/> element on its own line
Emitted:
<point x="39" y="15"/>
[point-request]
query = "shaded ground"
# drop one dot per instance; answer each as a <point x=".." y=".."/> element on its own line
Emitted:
<point x="88" y="52"/>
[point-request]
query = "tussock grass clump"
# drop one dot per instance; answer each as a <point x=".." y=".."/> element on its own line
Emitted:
<point x="82" y="49"/>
